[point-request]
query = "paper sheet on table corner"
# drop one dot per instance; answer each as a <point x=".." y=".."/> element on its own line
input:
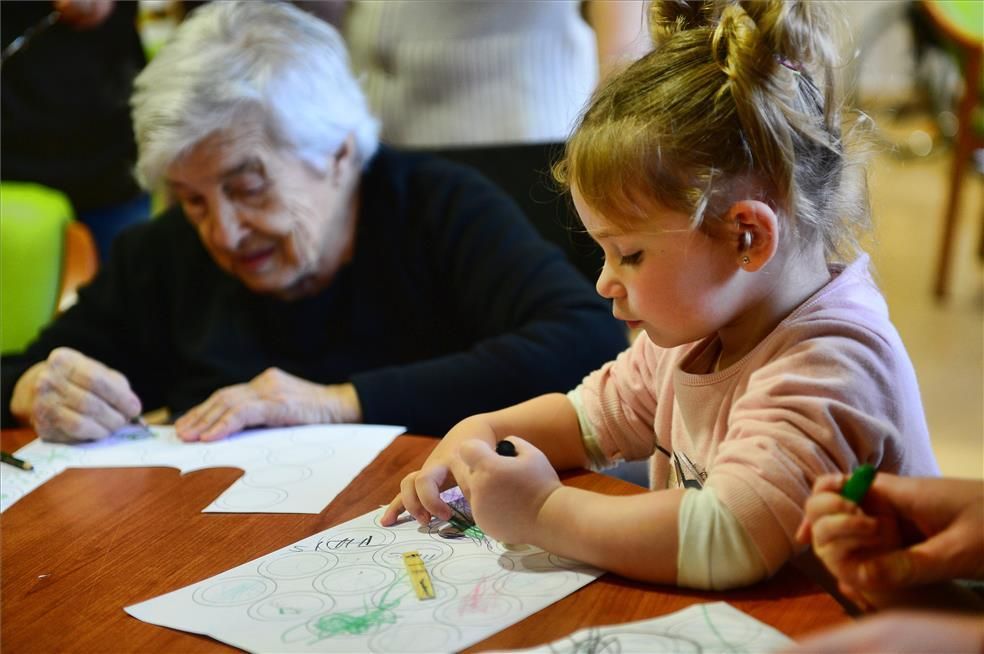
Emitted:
<point x="286" y="470"/>
<point x="708" y="628"/>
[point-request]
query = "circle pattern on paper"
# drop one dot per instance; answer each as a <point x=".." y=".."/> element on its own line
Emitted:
<point x="301" y="454"/>
<point x="234" y="591"/>
<point x="479" y="608"/>
<point x="413" y="638"/>
<point x="527" y="584"/>
<point x="354" y="580"/>
<point x="409" y="603"/>
<point x="297" y="565"/>
<point x="431" y="553"/>
<point x="236" y="455"/>
<point x="471" y="568"/>
<point x="290" y="606"/>
<point x="276" y="476"/>
<point x="244" y="498"/>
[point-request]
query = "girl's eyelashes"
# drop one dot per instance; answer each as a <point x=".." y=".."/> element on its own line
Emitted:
<point x="631" y="259"/>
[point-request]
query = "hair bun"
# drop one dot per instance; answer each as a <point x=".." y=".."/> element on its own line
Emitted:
<point x="797" y="30"/>
<point x="667" y="17"/>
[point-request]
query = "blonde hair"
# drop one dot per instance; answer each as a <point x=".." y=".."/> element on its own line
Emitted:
<point x="736" y="98"/>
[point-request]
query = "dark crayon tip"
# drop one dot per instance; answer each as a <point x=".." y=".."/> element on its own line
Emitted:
<point x="505" y="448"/>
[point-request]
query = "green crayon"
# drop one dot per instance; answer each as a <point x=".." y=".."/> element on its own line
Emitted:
<point x="857" y="486"/>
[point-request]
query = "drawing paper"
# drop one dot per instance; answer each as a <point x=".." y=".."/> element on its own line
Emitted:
<point x="287" y="470"/>
<point x="713" y="628"/>
<point x="346" y="589"/>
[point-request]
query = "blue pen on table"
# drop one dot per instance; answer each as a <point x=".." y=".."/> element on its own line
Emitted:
<point x="860" y="481"/>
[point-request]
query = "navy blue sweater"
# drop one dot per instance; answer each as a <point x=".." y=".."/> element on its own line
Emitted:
<point x="452" y="305"/>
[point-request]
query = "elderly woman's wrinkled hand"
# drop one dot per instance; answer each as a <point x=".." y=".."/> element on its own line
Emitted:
<point x="70" y="397"/>
<point x="273" y="398"/>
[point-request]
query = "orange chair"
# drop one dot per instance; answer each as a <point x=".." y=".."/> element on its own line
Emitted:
<point x="79" y="264"/>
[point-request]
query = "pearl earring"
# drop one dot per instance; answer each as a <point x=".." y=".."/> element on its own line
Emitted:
<point x="746" y="243"/>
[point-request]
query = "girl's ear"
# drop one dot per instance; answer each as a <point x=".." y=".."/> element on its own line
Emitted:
<point x="755" y="232"/>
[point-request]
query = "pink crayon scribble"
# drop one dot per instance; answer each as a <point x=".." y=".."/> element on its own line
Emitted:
<point x="476" y="601"/>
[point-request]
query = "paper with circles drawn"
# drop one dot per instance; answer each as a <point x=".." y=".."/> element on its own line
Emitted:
<point x="346" y="590"/>
<point x="286" y="470"/>
<point x="711" y="628"/>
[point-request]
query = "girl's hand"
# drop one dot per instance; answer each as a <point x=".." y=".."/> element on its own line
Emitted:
<point x="505" y="493"/>
<point x="420" y="491"/>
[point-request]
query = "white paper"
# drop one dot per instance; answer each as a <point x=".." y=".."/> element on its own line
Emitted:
<point x="346" y="590"/>
<point x="287" y="470"/>
<point x="713" y="628"/>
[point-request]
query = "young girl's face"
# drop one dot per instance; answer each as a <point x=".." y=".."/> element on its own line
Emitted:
<point x="676" y="283"/>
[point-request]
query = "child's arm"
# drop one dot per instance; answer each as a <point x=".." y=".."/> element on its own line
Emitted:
<point x="548" y="421"/>
<point x="519" y="500"/>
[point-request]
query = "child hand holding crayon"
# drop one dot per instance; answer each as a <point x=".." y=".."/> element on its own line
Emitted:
<point x="906" y="532"/>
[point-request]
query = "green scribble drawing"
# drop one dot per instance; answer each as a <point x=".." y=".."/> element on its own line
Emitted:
<point x="287" y="610"/>
<point x="710" y="623"/>
<point x="56" y="454"/>
<point x="237" y="591"/>
<point x="468" y="530"/>
<point x="357" y="623"/>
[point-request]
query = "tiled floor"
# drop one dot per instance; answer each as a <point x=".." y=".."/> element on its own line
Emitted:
<point x="945" y="340"/>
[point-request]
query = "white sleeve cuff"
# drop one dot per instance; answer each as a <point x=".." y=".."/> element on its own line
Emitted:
<point x="596" y="456"/>
<point x="715" y="552"/>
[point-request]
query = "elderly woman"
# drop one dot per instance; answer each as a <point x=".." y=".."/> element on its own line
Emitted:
<point x="306" y="275"/>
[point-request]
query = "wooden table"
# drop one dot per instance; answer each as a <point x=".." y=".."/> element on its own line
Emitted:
<point x="91" y="541"/>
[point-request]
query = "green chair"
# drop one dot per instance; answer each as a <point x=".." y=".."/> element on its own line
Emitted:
<point x="44" y="256"/>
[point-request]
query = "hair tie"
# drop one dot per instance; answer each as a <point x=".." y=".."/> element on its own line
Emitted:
<point x="794" y="66"/>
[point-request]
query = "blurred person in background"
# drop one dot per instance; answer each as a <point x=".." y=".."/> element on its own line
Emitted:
<point x="65" y="117"/>
<point x="487" y="72"/>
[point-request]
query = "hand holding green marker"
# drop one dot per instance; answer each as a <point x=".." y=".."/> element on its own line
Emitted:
<point x="857" y="486"/>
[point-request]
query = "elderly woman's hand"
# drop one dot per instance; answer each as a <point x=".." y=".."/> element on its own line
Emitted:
<point x="71" y="397"/>
<point x="273" y="398"/>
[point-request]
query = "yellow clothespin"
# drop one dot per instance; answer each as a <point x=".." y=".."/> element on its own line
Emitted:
<point x="418" y="575"/>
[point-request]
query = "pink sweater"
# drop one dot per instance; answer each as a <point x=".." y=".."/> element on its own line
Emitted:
<point x="831" y="387"/>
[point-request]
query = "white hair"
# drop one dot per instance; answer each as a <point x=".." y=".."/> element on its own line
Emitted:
<point x="230" y="60"/>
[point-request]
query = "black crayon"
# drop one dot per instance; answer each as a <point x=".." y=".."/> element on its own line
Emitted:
<point x="505" y="448"/>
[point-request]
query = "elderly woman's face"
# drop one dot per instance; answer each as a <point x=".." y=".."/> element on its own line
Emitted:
<point x="265" y="216"/>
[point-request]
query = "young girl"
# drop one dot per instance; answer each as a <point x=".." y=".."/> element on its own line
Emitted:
<point x="714" y="175"/>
